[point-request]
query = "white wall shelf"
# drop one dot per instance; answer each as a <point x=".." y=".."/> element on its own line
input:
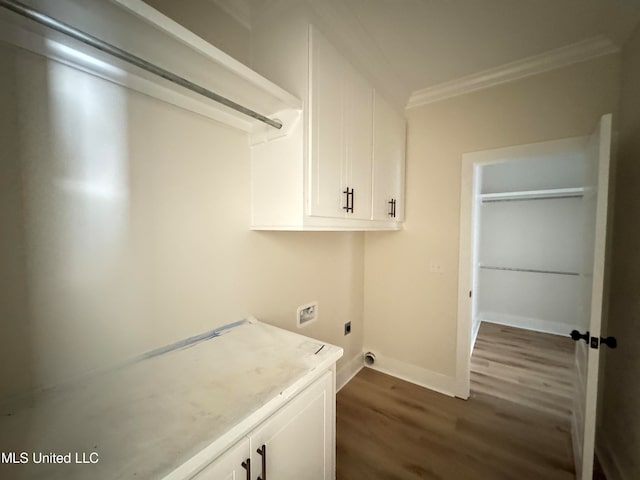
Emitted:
<point x="533" y="194"/>
<point x="138" y="29"/>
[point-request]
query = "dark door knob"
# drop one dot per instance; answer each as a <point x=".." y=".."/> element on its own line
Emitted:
<point x="610" y="342"/>
<point x="576" y="335"/>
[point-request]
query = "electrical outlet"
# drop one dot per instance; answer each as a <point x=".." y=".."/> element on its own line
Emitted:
<point x="307" y="314"/>
<point x="347" y="328"/>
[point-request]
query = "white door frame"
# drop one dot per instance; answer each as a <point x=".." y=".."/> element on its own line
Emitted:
<point x="471" y="163"/>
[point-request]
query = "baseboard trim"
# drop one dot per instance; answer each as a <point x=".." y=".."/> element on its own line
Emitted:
<point x="608" y="461"/>
<point x="348" y="371"/>
<point x="535" y="324"/>
<point x="419" y="376"/>
<point x="475" y="328"/>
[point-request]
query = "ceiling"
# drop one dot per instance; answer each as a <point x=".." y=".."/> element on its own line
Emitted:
<point x="410" y="45"/>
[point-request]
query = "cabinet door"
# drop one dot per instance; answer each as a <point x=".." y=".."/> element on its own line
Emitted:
<point x="358" y="117"/>
<point x="298" y="440"/>
<point x="326" y="132"/>
<point x="388" y="161"/>
<point x="229" y="465"/>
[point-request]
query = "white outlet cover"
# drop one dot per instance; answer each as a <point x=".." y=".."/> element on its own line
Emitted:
<point x="307" y="314"/>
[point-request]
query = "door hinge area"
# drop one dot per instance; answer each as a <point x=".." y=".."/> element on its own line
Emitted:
<point x="470" y="293"/>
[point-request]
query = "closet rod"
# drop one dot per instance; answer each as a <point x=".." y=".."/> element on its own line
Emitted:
<point x="529" y="270"/>
<point x="525" y="199"/>
<point x="52" y="23"/>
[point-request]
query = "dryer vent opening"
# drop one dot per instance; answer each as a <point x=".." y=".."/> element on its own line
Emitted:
<point x="369" y="358"/>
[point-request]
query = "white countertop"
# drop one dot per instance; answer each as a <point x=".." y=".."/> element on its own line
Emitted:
<point x="150" y="416"/>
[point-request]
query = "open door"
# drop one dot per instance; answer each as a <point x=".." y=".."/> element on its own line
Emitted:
<point x="588" y="341"/>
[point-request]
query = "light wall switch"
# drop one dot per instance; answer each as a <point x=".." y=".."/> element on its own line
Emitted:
<point x="436" y="267"/>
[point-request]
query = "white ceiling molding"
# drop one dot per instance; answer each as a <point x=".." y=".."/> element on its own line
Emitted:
<point x="238" y="9"/>
<point x="551" y="60"/>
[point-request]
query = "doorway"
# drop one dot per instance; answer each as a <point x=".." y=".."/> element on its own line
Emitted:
<point x="588" y="257"/>
<point x="513" y="189"/>
<point x="528" y="258"/>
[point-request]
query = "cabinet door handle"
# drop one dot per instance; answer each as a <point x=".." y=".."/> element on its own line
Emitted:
<point x="263" y="453"/>
<point x="349" y="193"/>
<point x="247" y="466"/>
<point x="392" y="208"/>
<point x="353" y="198"/>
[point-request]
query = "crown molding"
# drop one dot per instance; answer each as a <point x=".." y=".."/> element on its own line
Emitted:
<point x="551" y="60"/>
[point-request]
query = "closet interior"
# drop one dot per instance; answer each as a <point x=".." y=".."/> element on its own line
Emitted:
<point x="529" y="253"/>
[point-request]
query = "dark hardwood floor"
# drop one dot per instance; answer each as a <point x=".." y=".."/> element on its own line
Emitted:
<point x="391" y="429"/>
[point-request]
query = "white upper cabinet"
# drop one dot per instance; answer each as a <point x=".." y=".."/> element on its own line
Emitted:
<point x="340" y="135"/>
<point x="358" y="115"/>
<point x="321" y="176"/>
<point x="327" y="129"/>
<point x="388" y="162"/>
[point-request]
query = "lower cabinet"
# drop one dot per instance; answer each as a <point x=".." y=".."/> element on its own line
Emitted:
<point x="296" y="442"/>
<point x="231" y="465"/>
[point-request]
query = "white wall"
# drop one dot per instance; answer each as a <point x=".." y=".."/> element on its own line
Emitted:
<point x="618" y="439"/>
<point x="210" y="22"/>
<point x="560" y="170"/>
<point x="124" y="227"/>
<point x="535" y="234"/>
<point x="534" y="301"/>
<point x="410" y="311"/>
